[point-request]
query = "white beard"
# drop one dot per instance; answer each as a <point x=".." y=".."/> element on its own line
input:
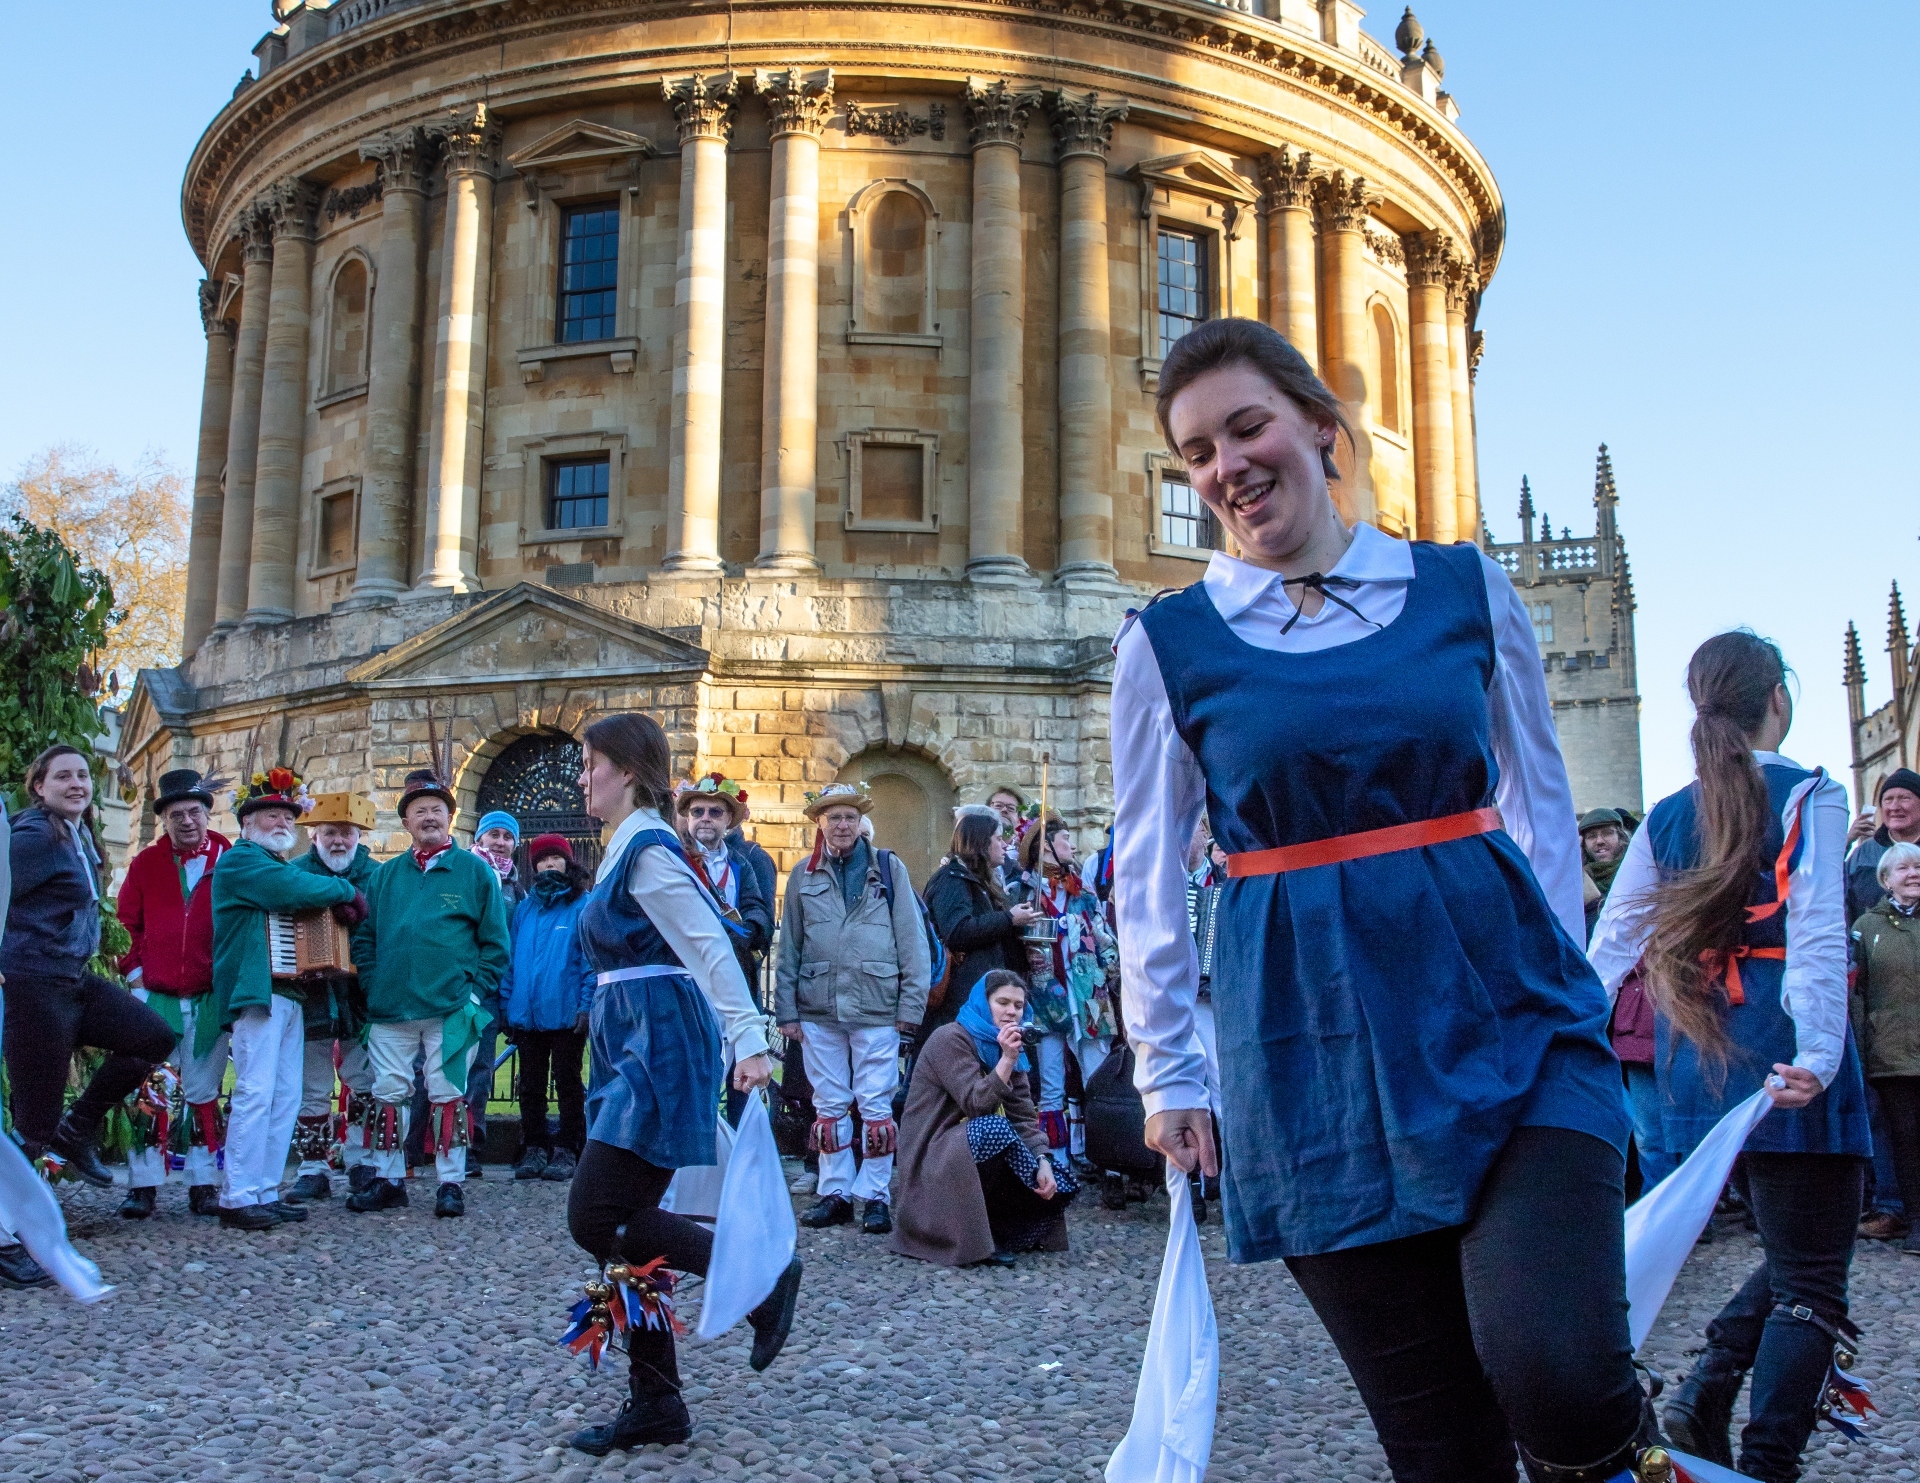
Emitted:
<point x="337" y="859"/>
<point x="279" y="840"/>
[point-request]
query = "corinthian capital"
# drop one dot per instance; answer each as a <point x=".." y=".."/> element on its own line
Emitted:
<point x="1343" y="201"/>
<point x="704" y="106"/>
<point x="797" y="102"/>
<point x="470" y="138"/>
<point x="405" y="157"/>
<point x="1429" y="255"/>
<point x="1463" y="279"/>
<point x="254" y="227"/>
<point x="211" y="320"/>
<point x="290" y="206"/>
<point x="1082" y="125"/>
<point x="1287" y="178"/>
<point x="996" y="112"/>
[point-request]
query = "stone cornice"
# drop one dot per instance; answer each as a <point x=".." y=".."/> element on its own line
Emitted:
<point x="704" y="107"/>
<point x="1082" y="125"/>
<point x="394" y="45"/>
<point x="997" y="111"/>
<point x="797" y="102"/>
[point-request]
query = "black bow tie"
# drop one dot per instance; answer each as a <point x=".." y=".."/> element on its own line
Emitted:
<point x="1324" y="586"/>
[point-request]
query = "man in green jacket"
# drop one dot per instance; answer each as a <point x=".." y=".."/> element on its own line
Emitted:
<point x="264" y="1013"/>
<point x="336" y="1010"/>
<point x="430" y="955"/>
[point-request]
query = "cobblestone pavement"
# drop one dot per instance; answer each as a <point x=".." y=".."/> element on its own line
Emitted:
<point x="398" y="1346"/>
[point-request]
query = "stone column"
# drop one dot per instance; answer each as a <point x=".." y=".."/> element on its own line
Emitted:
<point x="1343" y="218"/>
<point x="471" y="141"/>
<point x="996" y="118"/>
<point x="798" y="106"/>
<point x="1082" y="132"/>
<point x="1466" y="472"/>
<point x="1433" y="457"/>
<point x="254" y="227"/>
<point x="1291" y="290"/>
<point x="216" y="408"/>
<point x="283" y="404"/>
<point x="393" y="367"/>
<point x="705" y="109"/>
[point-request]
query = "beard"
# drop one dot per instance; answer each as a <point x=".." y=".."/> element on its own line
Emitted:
<point x="278" y="840"/>
<point x="336" y="857"/>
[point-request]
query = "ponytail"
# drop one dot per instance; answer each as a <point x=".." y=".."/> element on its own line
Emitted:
<point x="1699" y="913"/>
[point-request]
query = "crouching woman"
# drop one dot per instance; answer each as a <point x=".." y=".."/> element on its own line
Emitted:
<point x="976" y="1180"/>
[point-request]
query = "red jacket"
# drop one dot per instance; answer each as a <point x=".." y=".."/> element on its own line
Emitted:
<point x="1632" y="1027"/>
<point x="172" y="940"/>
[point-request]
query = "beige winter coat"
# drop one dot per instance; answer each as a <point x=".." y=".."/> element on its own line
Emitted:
<point x="862" y="967"/>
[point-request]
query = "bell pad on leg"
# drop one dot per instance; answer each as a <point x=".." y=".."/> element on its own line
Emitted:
<point x="881" y="1137"/>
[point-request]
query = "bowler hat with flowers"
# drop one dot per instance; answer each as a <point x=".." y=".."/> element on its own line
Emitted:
<point x="277" y="787"/>
<point x="839" y="795"/>
<point x="716" y="787"/>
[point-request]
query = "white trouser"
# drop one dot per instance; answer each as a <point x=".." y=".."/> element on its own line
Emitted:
<point x="200" y="1078"/>
<point x="1210" y="1043"/>
<point x="316" y="1097"/>
<point x="356" y="1076"/>
<point x="265" y="1103"/>
<point x="1090" y="1053"/>
<point x="391" y="1048"/>
<point x="849" y="1065"/>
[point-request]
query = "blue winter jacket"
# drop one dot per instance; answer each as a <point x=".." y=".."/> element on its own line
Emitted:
<point x="547" y="983"/>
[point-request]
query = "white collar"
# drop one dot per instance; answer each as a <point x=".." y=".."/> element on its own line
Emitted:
<point x="640" y="819"/>
<point x="716" y="856"/>
<point x="1775" y="759"/>
<point x="1374" y="556"/>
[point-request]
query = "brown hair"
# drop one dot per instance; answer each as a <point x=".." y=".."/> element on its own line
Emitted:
<point x="971" y="836"/>
<point x="1003" y="978"/>
<point x="1246" y="342"/>
<point x="636" y="745"/>
<point x="1731" y="679"/>
<point x="37" y="771"/>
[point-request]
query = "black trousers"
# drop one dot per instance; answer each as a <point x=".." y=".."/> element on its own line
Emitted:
<point x="612" y="1189"/>
<point x="1900" y="1102"/>
<point x="559" y="1053"/>
<point x="1806" y="1206"/>
<point x="1510" y="1328"/>
<point x="50" y="1018"/>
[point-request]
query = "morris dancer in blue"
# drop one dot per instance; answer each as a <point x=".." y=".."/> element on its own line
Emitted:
<point x="1422" y="1116"/>
<point x="670" y="1009"/>
<point x="1733" y="897"/>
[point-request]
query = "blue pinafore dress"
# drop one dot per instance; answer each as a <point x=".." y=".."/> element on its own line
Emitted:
<point x="654" y="1088"/>
<point x="1384" y="1023"/>
<point x="1694" y="1097"/>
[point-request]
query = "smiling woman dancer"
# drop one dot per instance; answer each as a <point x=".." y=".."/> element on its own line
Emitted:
<point x="669" y="996"/>
<point x="1421" y="1112"/>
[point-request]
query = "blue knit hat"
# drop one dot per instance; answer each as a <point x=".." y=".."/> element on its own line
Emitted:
<point x="498" y="819"/>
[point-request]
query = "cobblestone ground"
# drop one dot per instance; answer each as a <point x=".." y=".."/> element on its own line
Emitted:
<point x="398" y="1346"/>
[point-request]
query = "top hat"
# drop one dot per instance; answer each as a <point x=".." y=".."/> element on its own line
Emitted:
<point x="180" y="785"/>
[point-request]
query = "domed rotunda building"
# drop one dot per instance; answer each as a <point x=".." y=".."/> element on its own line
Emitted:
<point x="784" y="369"/>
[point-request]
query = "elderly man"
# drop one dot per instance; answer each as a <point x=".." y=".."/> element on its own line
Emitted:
<point x="1898" y="814"/>
<point x="708" y="812"/>
<point x="430" y="954"/>
<point x="263" y="1013"/>
<point x="852" y="980"/>
<point x="336" y="1010"/>
<point x="166" y="905"/>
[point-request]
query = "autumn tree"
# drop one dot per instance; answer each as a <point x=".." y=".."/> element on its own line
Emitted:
<point x="131" y="527"/>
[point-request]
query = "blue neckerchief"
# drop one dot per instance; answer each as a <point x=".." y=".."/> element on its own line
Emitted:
<point x="977" y="1020"/>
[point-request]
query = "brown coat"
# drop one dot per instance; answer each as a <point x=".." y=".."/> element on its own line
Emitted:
<point x="940" y="1215"/>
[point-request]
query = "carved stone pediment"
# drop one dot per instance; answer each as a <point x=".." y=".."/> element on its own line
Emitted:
<point x="576" y="144"/>
<point x="526" y="633"/>
<point x="1198" y="172"/>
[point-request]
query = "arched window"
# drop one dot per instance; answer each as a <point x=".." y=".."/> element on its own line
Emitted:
<point x="894" y="229"/>
<point x="1386" y="365"/>
<point x="347" y="343"/>
<point x="537" y="780"/>
<point x="912" y="806"/>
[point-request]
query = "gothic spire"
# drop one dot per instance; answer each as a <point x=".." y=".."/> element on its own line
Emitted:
<point x="1853" y="674"/>
<point x="1899" y="647"/>
<point x="1526" y="508"/>
<point x="1606" y="529"/>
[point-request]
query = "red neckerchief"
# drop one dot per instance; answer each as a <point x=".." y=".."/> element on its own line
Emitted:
<point x="180" y="864"/>
<point x="424" y="858"/>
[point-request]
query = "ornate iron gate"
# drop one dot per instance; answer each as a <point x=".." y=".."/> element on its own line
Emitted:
<point x="537" y="780"/>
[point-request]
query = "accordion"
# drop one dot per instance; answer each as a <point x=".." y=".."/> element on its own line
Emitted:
<point x="304" y="944"/>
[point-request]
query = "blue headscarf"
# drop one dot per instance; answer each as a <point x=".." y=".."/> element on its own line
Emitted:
<point x="976" y="1018"/>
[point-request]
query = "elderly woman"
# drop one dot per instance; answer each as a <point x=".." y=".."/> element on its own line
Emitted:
<point x="977" y="1182"/>
<point x="1886" y="1015"/>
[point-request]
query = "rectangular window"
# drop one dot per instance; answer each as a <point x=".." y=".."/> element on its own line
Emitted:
<point x="892" y="479"/>
<point x="577" y="493"/>
<point x="589" y="265"/>
<point x="1183" y="286"/>
<point x="1542" y="614"/>
<point x="336" y="530"/>
<point x="1184" y="518"/>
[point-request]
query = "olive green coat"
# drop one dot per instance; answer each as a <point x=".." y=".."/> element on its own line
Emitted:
<point x="1886" y="991"/>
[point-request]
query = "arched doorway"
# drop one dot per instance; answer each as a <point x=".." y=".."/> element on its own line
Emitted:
<point x="537" y="780"/>
<point x="912" y="806"/>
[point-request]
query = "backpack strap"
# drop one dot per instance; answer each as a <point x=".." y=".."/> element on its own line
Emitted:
<point x="1133" y="613"/>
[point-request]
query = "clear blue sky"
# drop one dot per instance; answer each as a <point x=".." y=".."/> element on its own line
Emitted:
<point x="1709" y="268"/>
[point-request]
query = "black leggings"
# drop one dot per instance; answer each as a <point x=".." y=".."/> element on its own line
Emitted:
<point x="1511" y="1327"/>
<point x="1900" y="1101"/>
<point x="614" y="1188"/>
<point x="560" y="1052"/>
<point x="50" y="1018"/>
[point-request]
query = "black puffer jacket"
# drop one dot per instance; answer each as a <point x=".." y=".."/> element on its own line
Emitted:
<point x="53" y="921"/>
<point x="967" y="921"/>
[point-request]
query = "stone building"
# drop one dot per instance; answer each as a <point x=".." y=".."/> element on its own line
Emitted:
<point x="1579" y="592"/>
<point x="1889" y="736"/>
<point x="784" y="369"/>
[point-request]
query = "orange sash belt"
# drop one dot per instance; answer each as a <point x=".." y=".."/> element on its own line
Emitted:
<point x="1726" y="965"/>
<point x="1368" y="842"/>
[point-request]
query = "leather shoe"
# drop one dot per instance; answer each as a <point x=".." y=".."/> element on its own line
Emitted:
<point x="74" y="1147"/>
<point x="830" y="1210"/>
<point x="533" y="1162"/>
<point x="138" y="1204"/>
<point x="382" y="1194"/>
<point x="18" y="1270"/>
<point x="998" y="1259"/>
<point x="642" y="1420"/>
<point x="359" y="1177"/>
<point x="285" y="1211"/>
<point x="203" y="1199"/>
<point x="875" y="1218"/>
<point x="451" y="1200"/>
<point x="311" y="1187"/>
<point x="773" y="1319"/>
<point x="249" y="1218"/>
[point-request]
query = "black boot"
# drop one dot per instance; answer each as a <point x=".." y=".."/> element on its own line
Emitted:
<point x="18" y="1270"/>
<point x="1789" y="1383"/>
<point x="533" y="1162"/>
<point x="249" y="1218"/>
<point x="138" y="1204"/>
<point x="643" y="1419"/>
<point x="773" y="1319"/>
<point x="1700" y="1416"/>
<point x="311" y="1187"/>
<point x="875" y="1218"/>
<point x="380" y="1194"/>
<point x="829" y="1210"/>
<point x="450" y="1201"/>
<point x="360" y="1177"/>
<point x="73" y="1144"/>
<point x="203" y="1199"/>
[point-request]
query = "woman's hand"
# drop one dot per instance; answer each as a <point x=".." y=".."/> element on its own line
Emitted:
<point x="1043" y="1185"/>
<point x="1793" y="1086"/>
<point x="753" y="1073"/>
<point x="1023" y="914"/>
<point x="1037" y="959"/>
<point x="581" y="1021"/>
<point x="1185" y="1136"/>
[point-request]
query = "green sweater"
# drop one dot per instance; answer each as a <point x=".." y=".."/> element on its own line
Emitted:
<point x="335" y="1005"/>
<point x="248" y="882"/>
<point x="435" y="942"/>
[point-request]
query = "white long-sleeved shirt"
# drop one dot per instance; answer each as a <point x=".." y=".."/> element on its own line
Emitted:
<point x="679" y="907"/>
<point x="1159" y="790"/>
<point x="1813" y="990"/>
